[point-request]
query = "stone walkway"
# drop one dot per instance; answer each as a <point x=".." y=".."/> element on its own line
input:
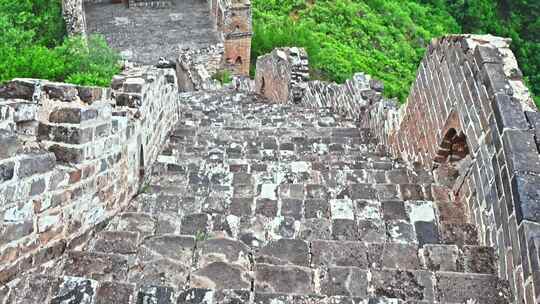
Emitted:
<point x="143" y="35"/>
<point x="275" y="204"/>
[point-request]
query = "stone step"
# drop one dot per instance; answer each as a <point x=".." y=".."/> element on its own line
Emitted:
<point x="336" y="286"/>
<point x="203" y="252"/>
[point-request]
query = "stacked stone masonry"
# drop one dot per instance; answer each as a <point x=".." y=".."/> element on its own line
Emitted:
<point x="143" y="35"/>
<point x="253" y="202"/>
<point x="469" y="119"/>
<point x="301" y="192"/>
<point x="72" y="157"/>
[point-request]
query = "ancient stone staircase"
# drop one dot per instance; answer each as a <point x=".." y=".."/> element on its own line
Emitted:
<point x="252" y="202"/>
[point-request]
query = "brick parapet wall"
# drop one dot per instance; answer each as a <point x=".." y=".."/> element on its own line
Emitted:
<point x="471" y="85"/>
<point x="83" y="164"/>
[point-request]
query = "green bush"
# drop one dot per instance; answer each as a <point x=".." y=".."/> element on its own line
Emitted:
<point x="33" y="44"/>
<point x="223" y="76"/>
<point x="387" y="38"/>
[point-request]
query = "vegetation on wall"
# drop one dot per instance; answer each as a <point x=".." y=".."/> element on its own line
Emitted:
<point x="33" y="44"/>
<point x="383" y="38"/>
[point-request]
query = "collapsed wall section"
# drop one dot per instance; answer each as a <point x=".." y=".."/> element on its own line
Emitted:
<point x="281" y="75"/>
<point x="72" y="157"/>
<point x="469" y="108"/>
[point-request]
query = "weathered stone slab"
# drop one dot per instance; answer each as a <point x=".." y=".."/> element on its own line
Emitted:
<point x="98" y="266"/>
<point x="177" y="248"/>
<point x="458" y="288"/>
<point x="75" y="290"/>
<point x="284" y="251"/>
<point x="345" y="281"/>
<point x="283" y="279"/>
<point x="223" y="250"/>
<point x="155" y="294"/>
<point x="315" y="229"/>
<point x="121" y="242"/>
<point x="219" y="275"/>
<point x="115" y="292"/>
<point x="440" y="257"/>
<point x="404" y="285"/>
<point x="338" y="253"/>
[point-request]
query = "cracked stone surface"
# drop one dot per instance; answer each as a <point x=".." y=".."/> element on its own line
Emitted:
<point x="144" y="35"/>
<point x="252" y="202"/>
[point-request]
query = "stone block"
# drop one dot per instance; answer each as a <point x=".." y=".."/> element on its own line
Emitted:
<point x="345" y="230"/>
<point x="283" y="279"/>
<point x="115" y="292"/>
<point x="458" y="288"/>
<point x="394" y="210"/>
<point x="162" y="272"/>
<point x="155" y="294"/>
<point x="342" y="209"/>
<point x="521" y="152"/>
<point x="283" y="252"/>
<point x="90" y="94"/>
<point x="68" y="154"/>
<point x="478" y="259"/>
<point x="73" y="115"/>
<point x="18" y="89"/>
<point x="266" y="207"/>
<point x="80" y="290"/>
<point x="8" y="148"/>
<point x="362" y="192"/>
<point x="371" y="231"/>
<point x="344" y="281"/>
<point x="458" y="234"/>
<point x="494" y="78"/>
<point x="37" y="187"/>
<point x="121" y="242"/>
<point x="223" y="250"/>
<point x="526" y="197"/>
<point x="60" y="91"/>
<point x="211" y="296"/>
<point x="411" y="192"/>
<point x="338" y="253"/>
<point x="292" y="208"/>
<point x="7" y="171"/>
<point x="405" y="285"/>
<point x="196" y="224"/>
<point x="219" y="275"/>
<point x="291" y="191"/>
<point x="487" y="54"/>
<point x="177" y="248"/>
<point x="143" y="223"/>
<point x="242" y="206"/>
<point x="440" y="257"/>
<point x="508" y="113"/>
<point x="316" y="192"/>
<point x="316" y="208"/>
<point x="400" y="232"/>
<point x="98" y="266"/>
<point x="36" y="163"/>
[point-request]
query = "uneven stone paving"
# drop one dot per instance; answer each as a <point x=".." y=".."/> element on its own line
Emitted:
<point x="143" y="35"/>
<point x="258" y="203"/>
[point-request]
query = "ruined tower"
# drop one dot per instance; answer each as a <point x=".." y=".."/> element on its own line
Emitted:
<point x="233" y="20"/>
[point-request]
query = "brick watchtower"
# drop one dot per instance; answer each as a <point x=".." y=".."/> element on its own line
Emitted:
<point x="233" y="20"/>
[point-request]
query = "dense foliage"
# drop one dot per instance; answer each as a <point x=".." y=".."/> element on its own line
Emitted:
<point x="33" y="44"/>
<point x="384" y="38"/>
